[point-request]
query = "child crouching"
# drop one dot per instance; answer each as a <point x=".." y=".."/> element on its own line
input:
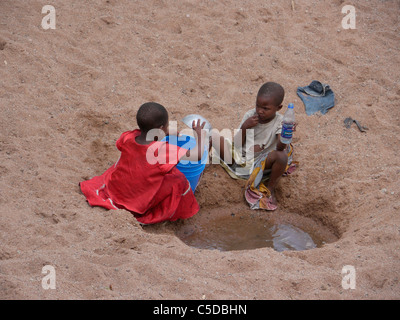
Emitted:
<point x="153" y="191"/>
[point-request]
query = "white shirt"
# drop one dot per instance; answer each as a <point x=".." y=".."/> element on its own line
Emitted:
<point x="265" y="134"/>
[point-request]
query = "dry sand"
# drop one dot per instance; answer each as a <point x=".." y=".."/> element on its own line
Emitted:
<point x="67" y="94"/>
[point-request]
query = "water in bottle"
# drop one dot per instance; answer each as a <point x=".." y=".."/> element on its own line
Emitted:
<point x="288" y="125"/>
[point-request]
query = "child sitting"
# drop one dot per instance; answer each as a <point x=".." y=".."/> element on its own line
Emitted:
<point x="257" y="154"/>
<point x="154" y="191"/>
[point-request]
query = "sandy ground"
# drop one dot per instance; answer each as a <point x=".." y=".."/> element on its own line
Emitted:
<point x="67" y="94"/>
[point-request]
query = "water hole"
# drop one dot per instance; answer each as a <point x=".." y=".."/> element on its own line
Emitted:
<point x="246" y="232"/>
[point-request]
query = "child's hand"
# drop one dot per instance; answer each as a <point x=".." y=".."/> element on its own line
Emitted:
<point x="197" y="154"/>
<point x="197" y="127"/>
<point x="250" y="122"/>
<point x="257" y="148"/>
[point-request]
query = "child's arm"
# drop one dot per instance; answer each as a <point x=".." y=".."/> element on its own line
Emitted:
<point x="249" y="123"/>
<point x="198" y="152"/>
<point x="279" y="145"/>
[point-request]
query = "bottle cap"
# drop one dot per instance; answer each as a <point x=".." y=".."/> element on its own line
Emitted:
<point x="290" y="106"/>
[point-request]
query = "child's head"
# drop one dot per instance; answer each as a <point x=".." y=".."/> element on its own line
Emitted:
<point x="269" y="101"/>
<point x="152" y="115"/>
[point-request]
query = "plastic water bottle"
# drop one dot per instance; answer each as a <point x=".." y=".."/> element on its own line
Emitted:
<point x="287" y="125"/>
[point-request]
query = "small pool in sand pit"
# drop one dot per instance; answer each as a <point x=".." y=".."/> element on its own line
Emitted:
<point x="245" y="232"/>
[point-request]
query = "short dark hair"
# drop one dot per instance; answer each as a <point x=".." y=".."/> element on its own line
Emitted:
<point x="272" y="90"/>
<point x="151" y="115"/>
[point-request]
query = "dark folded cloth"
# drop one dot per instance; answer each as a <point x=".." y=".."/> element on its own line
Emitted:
<point x="316" y="97"/>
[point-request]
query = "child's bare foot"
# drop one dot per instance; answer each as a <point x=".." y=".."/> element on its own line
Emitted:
<point x="273" y="198"/>
<point x="270" y="203"/>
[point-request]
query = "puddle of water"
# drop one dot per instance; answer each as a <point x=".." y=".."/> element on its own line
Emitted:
<point x="288" y="237"/>
<point x="245" y="233"/>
